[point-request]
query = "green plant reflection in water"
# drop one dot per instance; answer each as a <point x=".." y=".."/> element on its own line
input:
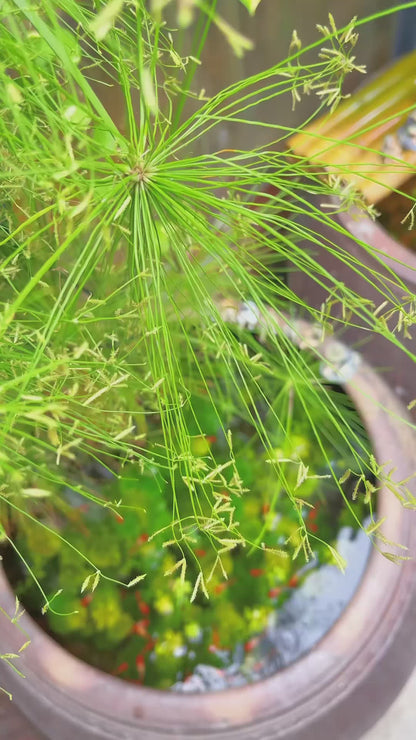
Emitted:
<point x="157" y="631"/>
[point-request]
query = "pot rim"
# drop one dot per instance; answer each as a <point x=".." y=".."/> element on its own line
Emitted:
<point x="386" y="247"/>
<point x="363" y="228"/>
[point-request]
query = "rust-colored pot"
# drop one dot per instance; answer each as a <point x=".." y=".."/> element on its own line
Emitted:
<point x="398" y="367"/>
<point x="398" y="257"/>
<point x="338" y="690"/>
<point x="388" y="266"/>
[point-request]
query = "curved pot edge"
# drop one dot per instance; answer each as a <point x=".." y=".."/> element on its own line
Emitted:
<point x="394" y="254"/>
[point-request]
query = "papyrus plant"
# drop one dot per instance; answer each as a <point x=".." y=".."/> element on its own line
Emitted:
<point x="122" y="250"/>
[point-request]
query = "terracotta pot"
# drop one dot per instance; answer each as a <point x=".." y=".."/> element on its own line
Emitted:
<point x="398" y="367"/>
<point x="337" y="690"/>
<point x="388" y="267"/>
<point x="396" y="256"/>
<point x="357" y="134"/>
